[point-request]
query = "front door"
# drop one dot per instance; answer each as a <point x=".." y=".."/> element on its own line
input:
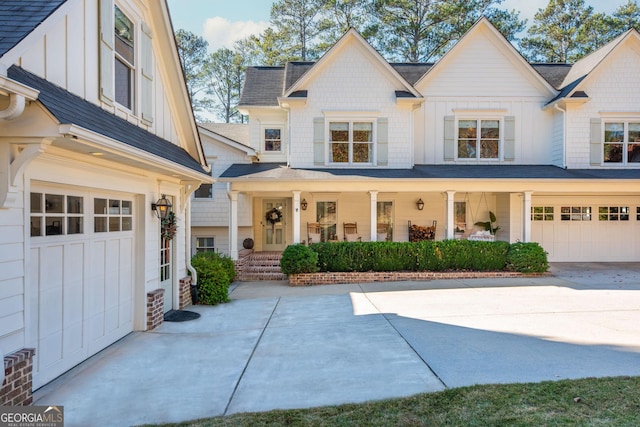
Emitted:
<point x="274" y="221"/>
<point x="166" y="276"/>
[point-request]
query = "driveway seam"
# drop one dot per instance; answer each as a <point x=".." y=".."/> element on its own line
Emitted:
<point x="246" y="365"/>
<point x="405" y="340"/>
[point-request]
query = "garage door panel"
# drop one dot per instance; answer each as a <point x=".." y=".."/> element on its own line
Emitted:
<point x="82" y="298"/>
<point x="594" y="237"/>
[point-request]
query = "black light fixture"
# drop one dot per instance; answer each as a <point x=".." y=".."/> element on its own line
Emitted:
<point x="420" y="204"/>
<point x="162" y="207"/>
<point x="303" y="204"/>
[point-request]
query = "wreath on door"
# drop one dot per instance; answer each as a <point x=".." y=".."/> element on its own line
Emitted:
<point x="169" y="227"/>
<point x="273" y="216"/>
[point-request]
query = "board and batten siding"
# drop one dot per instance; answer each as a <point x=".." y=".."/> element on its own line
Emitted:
<point x="71" y="34"/>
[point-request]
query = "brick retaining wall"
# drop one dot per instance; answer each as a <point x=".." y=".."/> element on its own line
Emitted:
<point x="334" y="278"/>
<point x="18" y="383"/>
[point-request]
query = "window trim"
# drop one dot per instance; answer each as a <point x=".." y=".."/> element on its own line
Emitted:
<point x="134" y="71"/>
<point x="351" y="119"/>
<point x="263" y="137"/>
<point x="479" y="117"/>
<point x="625" y="121"/>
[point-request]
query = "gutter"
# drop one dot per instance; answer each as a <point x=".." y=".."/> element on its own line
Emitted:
<point x="564" y="134"/>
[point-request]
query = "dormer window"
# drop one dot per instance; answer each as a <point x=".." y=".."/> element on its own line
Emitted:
<point x="124" y="60"/>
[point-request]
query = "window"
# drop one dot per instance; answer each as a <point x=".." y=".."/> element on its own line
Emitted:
<point x="351" y="142"/>
<point x="542" y="213"/>
<point x="56" y="214"/>
<point x="613" y="213"/>
<point x="124" y="65"/>
<point x="384" y="214"/>
<point x="621" y="142"/>
<point x="575" y="213"/>
<point x="205" y="191"/>
<point x="205" y="244"/>
<point x="272" y="140"/>
<point x="478" y="139"/>
<point x="327" y="218"/>
<point x="460" y="216"/>
<point x="638" y="213"/>
<point x="112" y="215"/>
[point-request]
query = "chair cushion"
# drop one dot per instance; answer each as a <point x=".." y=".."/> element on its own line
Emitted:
<point x="352" y="237"/>
<point x="314" y="237"/>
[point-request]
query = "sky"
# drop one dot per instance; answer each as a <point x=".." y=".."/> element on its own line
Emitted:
<point x="221" y="22"/>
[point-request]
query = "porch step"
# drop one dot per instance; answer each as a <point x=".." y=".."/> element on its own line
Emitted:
<point x="263" y="266"/>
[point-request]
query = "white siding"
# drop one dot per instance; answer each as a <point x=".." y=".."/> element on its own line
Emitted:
<point x="352" y="81"/>
<point x="612" y="88"/>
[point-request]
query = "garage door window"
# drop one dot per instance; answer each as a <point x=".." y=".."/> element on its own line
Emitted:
<point x="542" y="213"/>
<point x="56" y="214"/>
<point x="613" y="213"/>
<point x="111" y="215"/>
<point x="575" y="213"/>
<point x="638" y="213"/>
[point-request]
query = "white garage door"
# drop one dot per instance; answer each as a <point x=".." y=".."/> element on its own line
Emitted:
<point x="583" y="230"/>
<point x="82" y="258"/>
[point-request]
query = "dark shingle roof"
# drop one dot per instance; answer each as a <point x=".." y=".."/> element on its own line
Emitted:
<point x="262" y="86"/>
<point x="412" y="72"/>
<point x="554" y="74"/>
<point x="19" y="17"/>
<point x="257" y="171"/>
<point x="68" y="108"/>
<point x="293" y="71"/>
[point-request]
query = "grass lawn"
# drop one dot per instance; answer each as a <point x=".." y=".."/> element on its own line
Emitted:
<point x="587" y="402"/>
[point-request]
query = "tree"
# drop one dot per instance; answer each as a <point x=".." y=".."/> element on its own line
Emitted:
<point x="627" y="16"/>
<point x="343" y="15"/>
<point x="560" y="33"/>
<point x="269" y="48"/>
<point x="193" y="57"/>
<point x="299" y="23"/>
<point x="423" y="30"/>
<point x="226" y="69"/>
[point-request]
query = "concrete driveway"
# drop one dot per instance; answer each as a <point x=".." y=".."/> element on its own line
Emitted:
<point x="279" y="347"/>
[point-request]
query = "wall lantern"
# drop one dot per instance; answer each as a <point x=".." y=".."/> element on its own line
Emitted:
<point x="162" y="207"/>
<point x="303" y="204"/>
<point x="420" y="204"/>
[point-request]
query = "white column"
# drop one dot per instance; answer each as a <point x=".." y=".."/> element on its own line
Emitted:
<point x="296" y="217"/>
<point x="373" y="195"/>
<point x="526" y="216"/>
<point x="233" y="224"/>
<point x="450" y="231"/>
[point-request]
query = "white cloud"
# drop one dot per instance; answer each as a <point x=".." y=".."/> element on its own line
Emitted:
<point x="220" y="32"/>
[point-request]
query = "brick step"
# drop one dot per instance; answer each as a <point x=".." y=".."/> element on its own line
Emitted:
<point x="263" y="266"/>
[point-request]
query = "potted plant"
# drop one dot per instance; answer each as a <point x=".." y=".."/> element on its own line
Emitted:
<point x="490" y="225"/>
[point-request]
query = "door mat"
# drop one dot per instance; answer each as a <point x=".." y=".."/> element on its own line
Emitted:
<point x="180" y="316"/>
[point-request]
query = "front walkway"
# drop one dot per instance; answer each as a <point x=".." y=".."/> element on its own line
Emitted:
<point x="275" y="346"/>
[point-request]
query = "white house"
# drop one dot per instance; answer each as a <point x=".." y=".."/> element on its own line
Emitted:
<point x="551" y="149"/>
<point x="95" y="128"/>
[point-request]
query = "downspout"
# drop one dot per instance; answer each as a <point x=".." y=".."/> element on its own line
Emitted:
<point x="187" y="232"/>
<point x="288" y="137"/>
<point x="15" y="108"/>
<point x="564" y="135"/>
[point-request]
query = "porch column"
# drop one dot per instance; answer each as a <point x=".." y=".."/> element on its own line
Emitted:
<point x="526" y="216"/>
<point x="373" y="195"/>
<point x="450" y="215"/>
<point x="296" y="217"/>
<point x="233" y="224"/>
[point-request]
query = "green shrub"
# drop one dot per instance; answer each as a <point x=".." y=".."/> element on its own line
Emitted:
<point x="298" y="259"/>
<point x="215" y="273"/>
<point x="527" y="258"/>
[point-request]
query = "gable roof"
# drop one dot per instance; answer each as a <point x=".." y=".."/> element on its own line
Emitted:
<point x="581" y="70"/>
<point x="70" y="109"/>
<point x="350" y="35"/>
<point x="18" y="18"/>
<point x="484" y="24"/>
